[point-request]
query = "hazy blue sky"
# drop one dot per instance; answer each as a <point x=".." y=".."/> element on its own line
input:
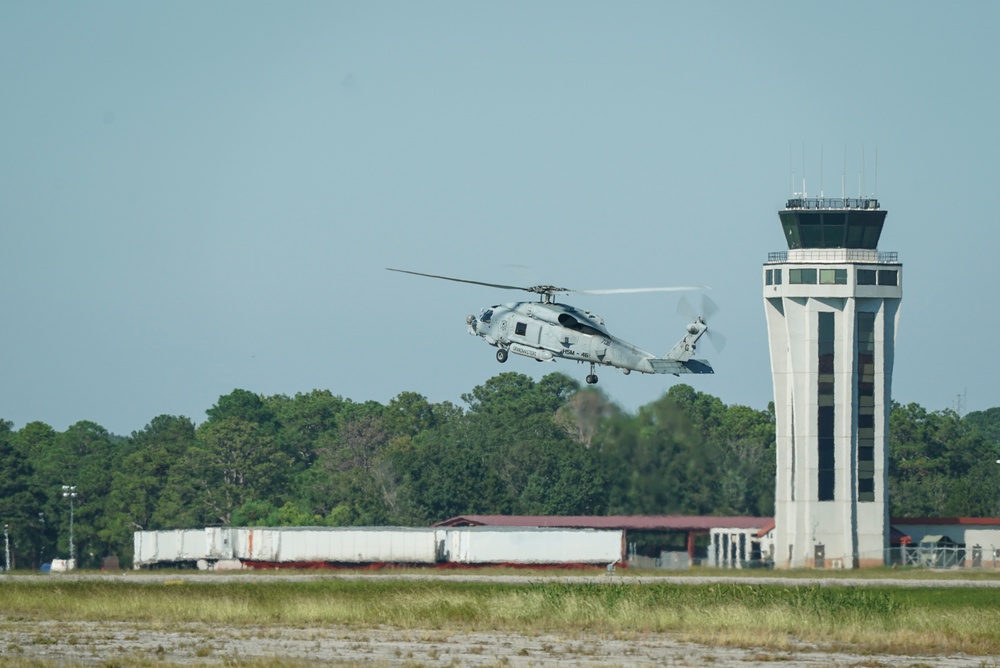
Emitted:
<point x="202" y="196"/>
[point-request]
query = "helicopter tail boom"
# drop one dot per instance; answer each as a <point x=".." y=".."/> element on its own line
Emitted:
<point x="677" y="367"/>
<point x="680" y="359"/>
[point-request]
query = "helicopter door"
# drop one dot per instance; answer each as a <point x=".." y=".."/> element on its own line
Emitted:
<point x="527" y="332"/>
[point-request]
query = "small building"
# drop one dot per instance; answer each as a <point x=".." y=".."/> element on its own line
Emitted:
<point x="947" y="542"/>
<point x="742" y="548"/>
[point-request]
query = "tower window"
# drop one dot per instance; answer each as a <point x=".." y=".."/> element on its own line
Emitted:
<point x="826" y="411"/>
<point x="833" y="277"/>
<point x="887" y="277"/>
<point x="866" y="277"/>
<point x="802" y="276"/>
<point x="866" y="406"/>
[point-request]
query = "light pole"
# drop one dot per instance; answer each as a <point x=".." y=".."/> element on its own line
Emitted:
<point x="41" y="540"/>
<point x="70" y="491"/>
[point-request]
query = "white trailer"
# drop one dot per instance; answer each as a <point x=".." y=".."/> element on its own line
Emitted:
<point x="338" y="545"/>
<point x="177" y="546"/>
<point x="277" y="546"/>
<point x="533" y="546"/>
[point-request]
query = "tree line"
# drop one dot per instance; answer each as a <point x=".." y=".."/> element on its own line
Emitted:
<point x="517" y="446"/>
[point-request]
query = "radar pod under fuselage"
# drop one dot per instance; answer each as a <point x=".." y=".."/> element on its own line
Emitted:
<point x="534" y="353"/>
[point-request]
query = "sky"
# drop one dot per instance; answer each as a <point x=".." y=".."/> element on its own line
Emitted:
<point x="202" y="196"/>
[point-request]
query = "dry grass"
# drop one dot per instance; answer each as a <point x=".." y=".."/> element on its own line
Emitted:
<point x="876" y="620"/>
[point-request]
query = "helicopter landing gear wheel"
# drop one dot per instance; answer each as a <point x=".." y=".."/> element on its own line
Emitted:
<point x="501" y="355"/>
<point x="591" y="379"/>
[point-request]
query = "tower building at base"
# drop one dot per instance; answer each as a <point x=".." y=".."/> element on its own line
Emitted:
<point x="832" y="304"/>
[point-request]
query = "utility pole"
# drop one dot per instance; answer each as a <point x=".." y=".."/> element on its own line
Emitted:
<point x="70" y="491"/>
<point x="41" y="539"/>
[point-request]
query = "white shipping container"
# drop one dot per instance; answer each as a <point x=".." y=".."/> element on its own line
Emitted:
<point x="500" y="545"/>
<point x="336" y="545"/>
<point x="219" y="543"/>
<point x="256" y="543"/>
<point x="152" y="547"/>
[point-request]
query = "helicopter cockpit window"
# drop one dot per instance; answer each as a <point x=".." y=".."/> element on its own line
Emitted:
<point x="487" y="315"/>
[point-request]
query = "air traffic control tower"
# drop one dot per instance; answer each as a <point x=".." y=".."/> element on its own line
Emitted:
<point x="832" y="302"/>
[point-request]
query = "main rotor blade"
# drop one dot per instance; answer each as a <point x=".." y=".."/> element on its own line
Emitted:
<point x="552" y="289"/>
<point x="620" y="291"/>
<point x="462" y="280"/>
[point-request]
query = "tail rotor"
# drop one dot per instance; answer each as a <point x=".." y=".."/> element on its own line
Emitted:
<point x="708" y="310"/>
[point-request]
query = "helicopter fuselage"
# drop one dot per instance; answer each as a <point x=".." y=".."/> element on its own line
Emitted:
<point x="545" y="331"/>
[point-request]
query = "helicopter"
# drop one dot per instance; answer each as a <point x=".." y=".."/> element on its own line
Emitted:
<point x="545" y="330"/>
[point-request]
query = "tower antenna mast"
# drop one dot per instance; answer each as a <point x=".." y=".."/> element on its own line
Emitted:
<point x="803" y="170"/>
<point x="821" y="171"/>
<point x="876" y="172"/>
<point x="864" y="183"/>
<point x="843" y="176"/>
<point x="791" y="174"/>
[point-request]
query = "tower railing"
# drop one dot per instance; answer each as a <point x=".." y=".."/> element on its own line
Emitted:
<point x="844" y="255"/>
<point x="868" y="203"/>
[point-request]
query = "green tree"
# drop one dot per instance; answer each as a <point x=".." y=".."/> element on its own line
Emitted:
<point x="236" y="461"/>
<point x="506" y="455"/>
<point x="746" y="440"/>
<point x="242" y="405"/>
<point x="139" y="497"/>
<point x="988" y="424"/>
<point x="83" y="457"/>
<point x="585" y="413"/>
<point x="351" y="473"/>
<point x="21" y="502"/>
<point x="939" y="465"/>
<point x="305" y="421"/>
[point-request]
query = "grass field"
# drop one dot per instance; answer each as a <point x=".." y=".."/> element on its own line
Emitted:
<point x="871" y="619"/>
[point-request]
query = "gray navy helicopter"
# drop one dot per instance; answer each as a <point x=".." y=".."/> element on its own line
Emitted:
<point x="544" y="330"/>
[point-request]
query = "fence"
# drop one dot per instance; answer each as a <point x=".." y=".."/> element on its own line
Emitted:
<point x="944" y="556"/>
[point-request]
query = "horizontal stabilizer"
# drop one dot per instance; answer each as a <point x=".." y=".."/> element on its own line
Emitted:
<point x="677" y="367"/>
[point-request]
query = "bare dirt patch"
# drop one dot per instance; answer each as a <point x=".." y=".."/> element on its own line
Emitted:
<point x="122" y="643"/>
